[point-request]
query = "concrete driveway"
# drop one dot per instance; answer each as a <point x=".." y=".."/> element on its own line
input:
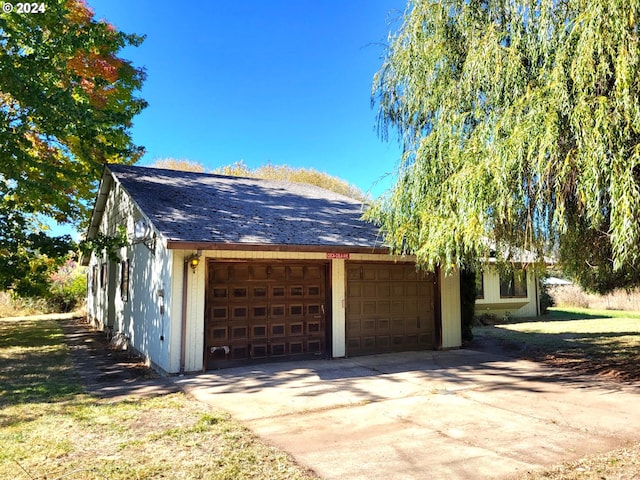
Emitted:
<point x="457" y="414"/>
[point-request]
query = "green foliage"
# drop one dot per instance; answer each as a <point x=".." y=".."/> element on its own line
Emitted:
<point x="546" y="300"/>
<point x="520" y="127"/>
<point x="27" y="255"/>
<point x="300" y="175"/>
<point x="66" y="107"/>
<point x="68" y="288"/>
<point x="107" y="244"/>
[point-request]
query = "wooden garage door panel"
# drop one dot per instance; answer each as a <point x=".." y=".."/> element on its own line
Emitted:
<point x="389" y="308"/>
<point x="256" y="310"/>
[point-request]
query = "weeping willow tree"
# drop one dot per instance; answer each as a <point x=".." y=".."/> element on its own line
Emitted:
<point x="519" y="122"/>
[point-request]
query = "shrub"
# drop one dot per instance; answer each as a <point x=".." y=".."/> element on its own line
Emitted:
<point x="617" y="300"/>
<point x="486" y="319"/>
<point x="569" y="296"/>
<point x="11" y="305"/>
<point x="575" y="296"/>
<point x="68" y="287"/>
<point x="546" y="300"/>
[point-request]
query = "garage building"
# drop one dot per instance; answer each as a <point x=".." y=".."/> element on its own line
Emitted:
<point x="220" y="270"/>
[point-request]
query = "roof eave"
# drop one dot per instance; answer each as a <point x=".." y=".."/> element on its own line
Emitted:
<point x="106" y="181"/>
<point x="203" y="245"/>
<point x="99" y="206"/>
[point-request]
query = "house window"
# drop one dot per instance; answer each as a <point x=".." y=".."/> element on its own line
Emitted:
<point x="94" y="279"/>
<point x="513" y="284"/>
<point x="124" y="280"/>
<point x="479" y="285"/>
<point x="103" y="275"/>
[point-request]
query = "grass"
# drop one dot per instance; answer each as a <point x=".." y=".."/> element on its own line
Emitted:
<point x="577" y="313"/>
<point x="590" y="338"/>
<point x="50" y="429"/>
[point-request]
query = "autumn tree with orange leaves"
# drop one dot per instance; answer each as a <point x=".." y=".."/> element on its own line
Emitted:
<point x="67" y="101"/>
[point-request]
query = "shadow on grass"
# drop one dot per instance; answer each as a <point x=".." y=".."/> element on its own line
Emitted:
<point x="557" y="315"/>
<point x="614" y="354"/>
<point x="35" y="364"/>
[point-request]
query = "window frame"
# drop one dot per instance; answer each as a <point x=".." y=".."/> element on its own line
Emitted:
<point x="512" y="286"/>
<point x="103" y="276"/>
<point x="94" y="278"/>
<point x="125" y="280"/>
<point x="480" y="284"/>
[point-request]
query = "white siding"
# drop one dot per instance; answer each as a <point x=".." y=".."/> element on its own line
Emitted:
<point x="176" y="311"/>
<point x="194" y="332"/>
<point x="516" y="307"/>
<point x="338" y="311"/>
<point x="450" y="307"/>
<point x="144" y="317"/>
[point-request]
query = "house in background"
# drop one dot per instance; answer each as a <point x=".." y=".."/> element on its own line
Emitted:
<point x="513" y="294"/>
<point x="220" y="270"/>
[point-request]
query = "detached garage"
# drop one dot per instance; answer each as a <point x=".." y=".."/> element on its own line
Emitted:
<point x="224" y="270"/>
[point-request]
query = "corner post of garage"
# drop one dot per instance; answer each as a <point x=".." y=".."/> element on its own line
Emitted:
<point x="338" y="308"/>
<point x="190" y="262"/>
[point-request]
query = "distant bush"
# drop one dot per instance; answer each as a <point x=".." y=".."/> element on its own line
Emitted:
<point x="575" y="296"/>
<point x="63" y="291"/>
<point x="285" y="173"/>
<point x="568" y="296"/>
<point x="68" y="287"/>
<point x="617" y="300"/>
<point x="546" y="300"/>
<point x="12" y="305"/>
<point x="486" y="319"/>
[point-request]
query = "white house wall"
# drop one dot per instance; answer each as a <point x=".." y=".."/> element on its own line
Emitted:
<point x="450" y="308"/>
<point x="145" y="317"/>
<point x="338" y="310"/>
<point x="142" y="319"/>
<point x="195" y="295"/>
<point x="493" y="303"/>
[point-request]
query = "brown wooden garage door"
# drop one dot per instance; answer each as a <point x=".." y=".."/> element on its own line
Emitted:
<point x="263" y="311"/>
<point x="390" y="307"/>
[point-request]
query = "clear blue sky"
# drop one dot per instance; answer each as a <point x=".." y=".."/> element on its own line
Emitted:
<point x="279" y="81"/>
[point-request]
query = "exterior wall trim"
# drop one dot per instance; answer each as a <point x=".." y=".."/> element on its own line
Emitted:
<point x="250" y="247"/>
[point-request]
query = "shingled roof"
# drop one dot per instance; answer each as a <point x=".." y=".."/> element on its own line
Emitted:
<point x="188" y="207"/>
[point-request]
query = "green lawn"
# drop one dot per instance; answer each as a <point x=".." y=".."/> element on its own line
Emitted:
<point x="603" y="337"/>
<point x="50" y="429"/>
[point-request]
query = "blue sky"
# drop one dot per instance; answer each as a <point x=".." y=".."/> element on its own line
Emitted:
<point x="279" y="81"/>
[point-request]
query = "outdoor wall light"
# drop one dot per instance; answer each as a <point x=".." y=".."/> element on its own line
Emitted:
<point x="193" y="263"/>
<point x="194" y="260"/>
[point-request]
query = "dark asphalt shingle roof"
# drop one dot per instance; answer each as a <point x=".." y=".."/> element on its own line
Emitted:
<point x="198" y="207"/>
